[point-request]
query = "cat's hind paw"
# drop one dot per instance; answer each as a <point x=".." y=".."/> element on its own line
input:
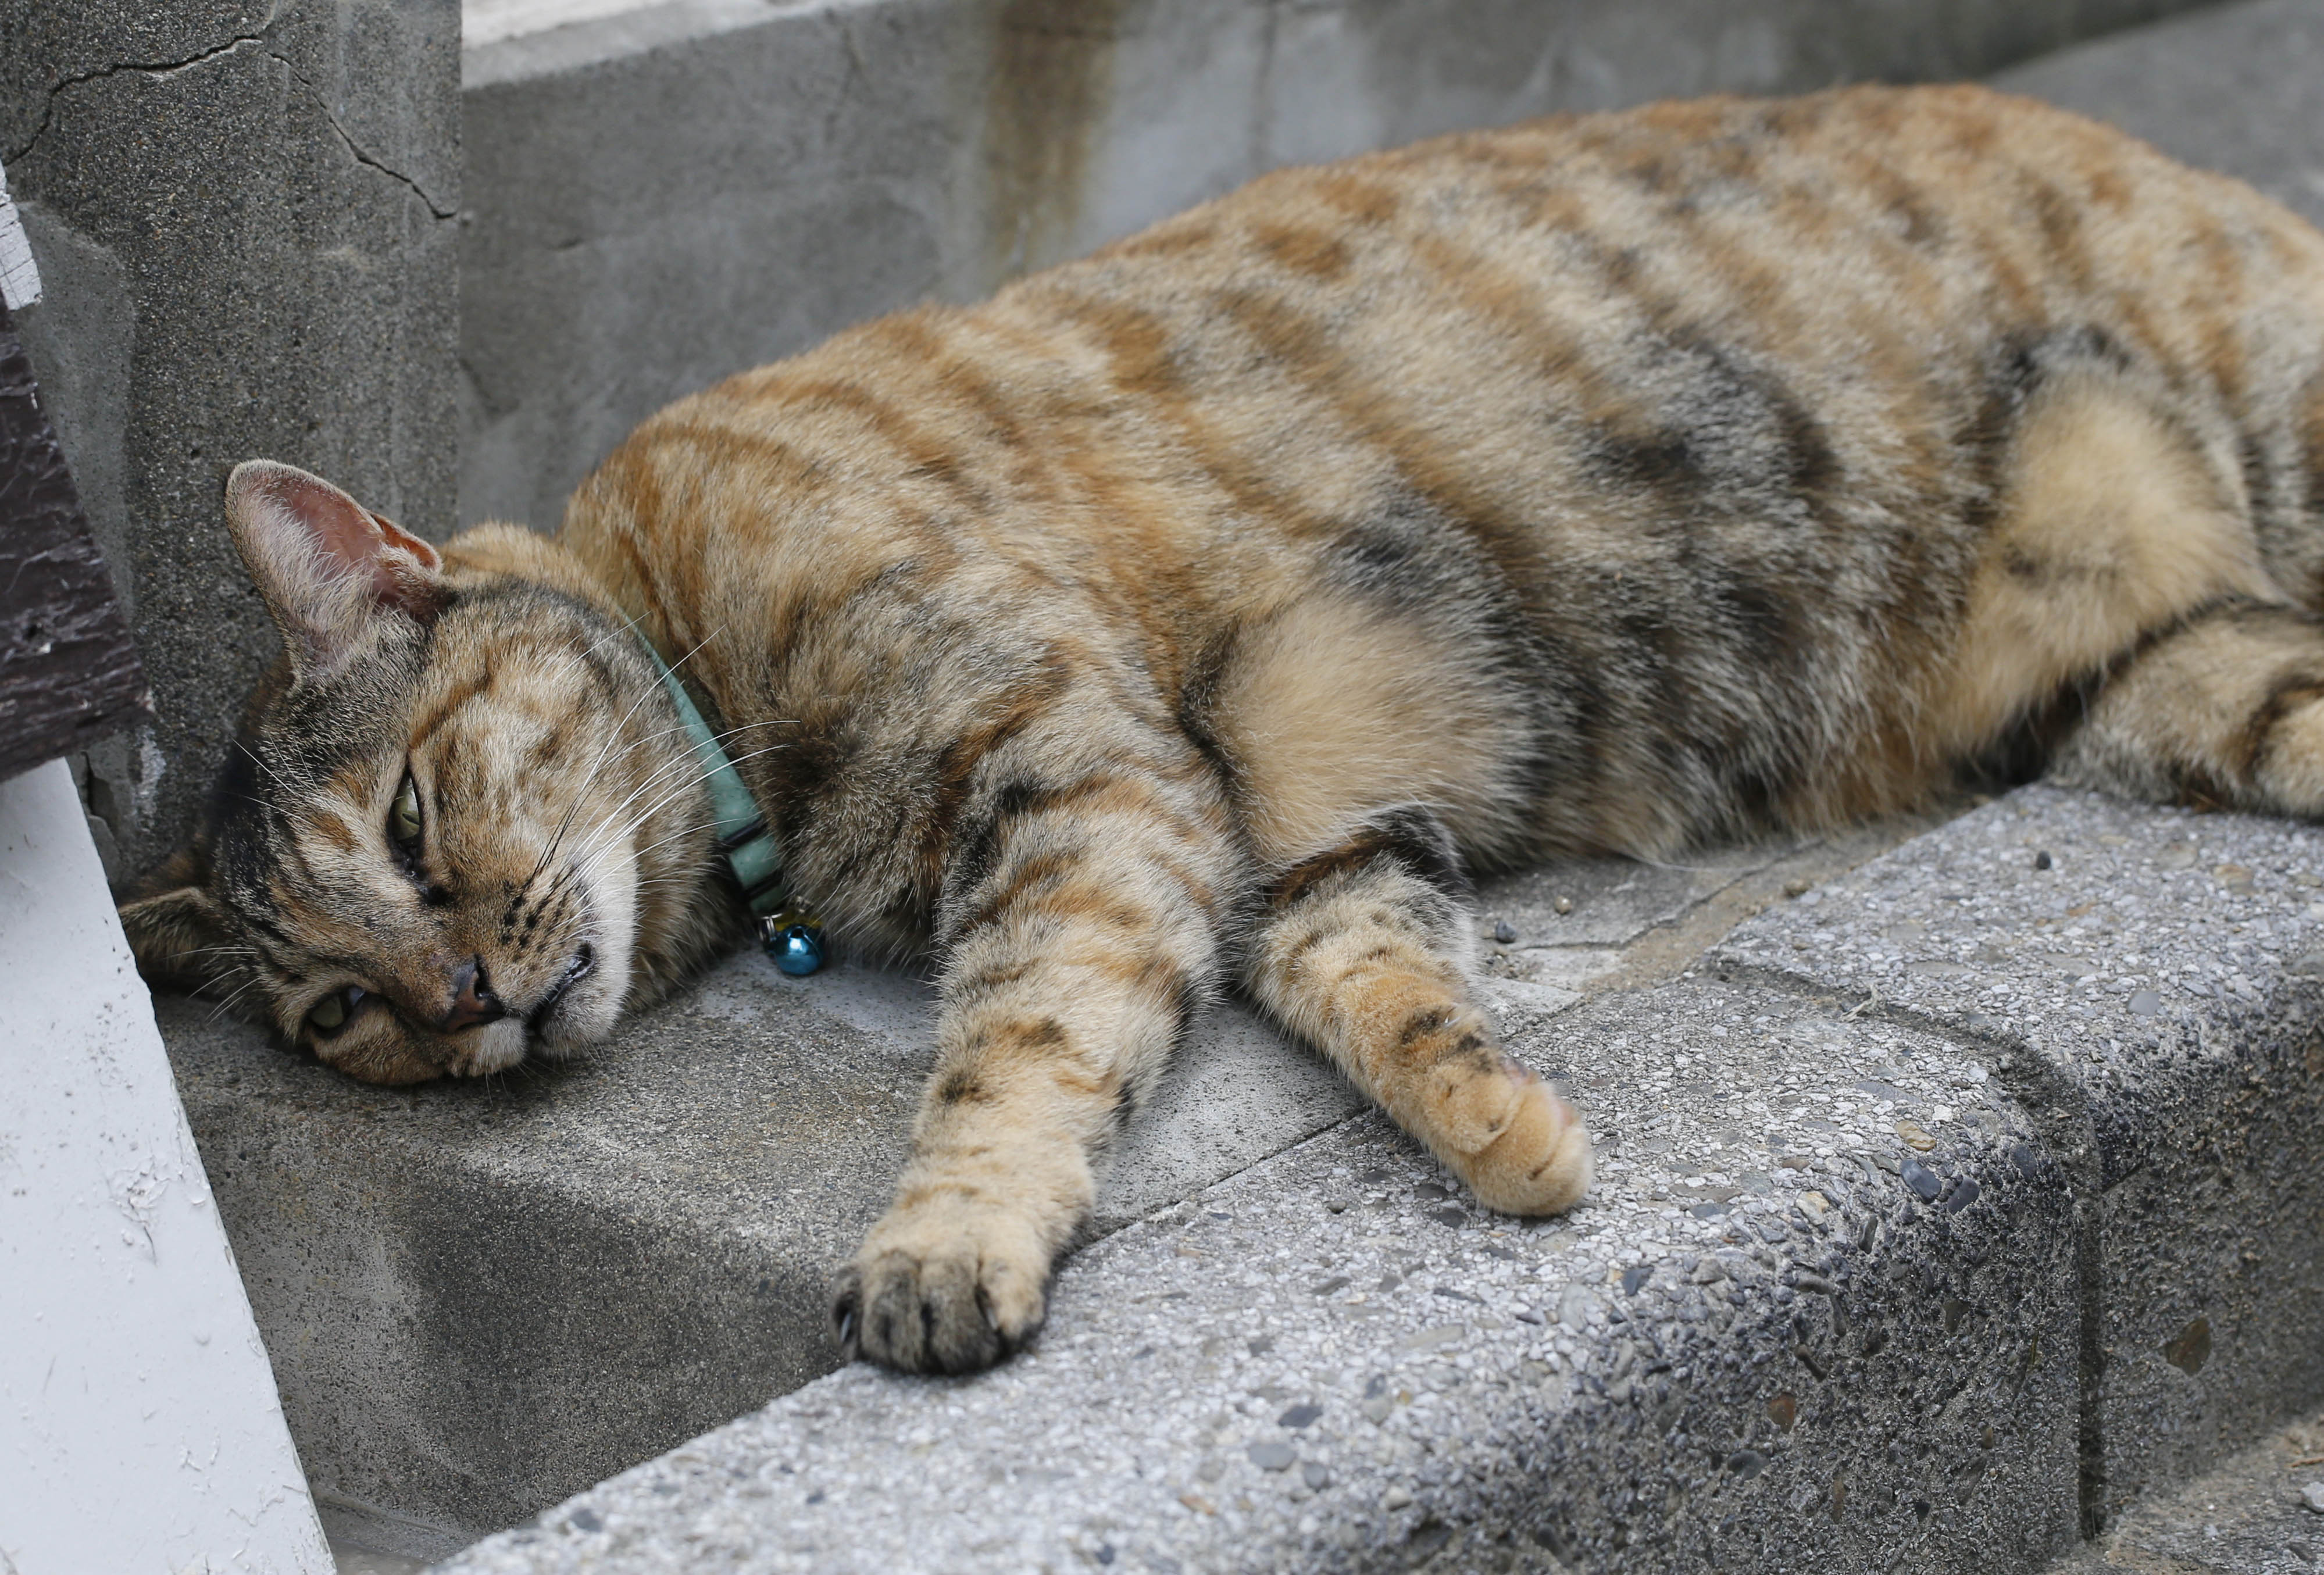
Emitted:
<point x="1535" y="1154"/>
<point x="941" y="1290"/>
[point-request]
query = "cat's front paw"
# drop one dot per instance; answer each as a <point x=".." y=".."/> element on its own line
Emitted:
<point x="1520" y="1147"/>
<point x="943" y="1287"/>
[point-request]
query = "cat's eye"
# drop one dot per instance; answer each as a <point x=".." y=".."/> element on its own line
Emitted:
<point x="331" y="1014"/>
<point x="403" y="815"/>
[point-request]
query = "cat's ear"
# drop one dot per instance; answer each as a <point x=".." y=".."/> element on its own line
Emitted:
<point x="178" y="938"/>
<point x="326" y="565"/>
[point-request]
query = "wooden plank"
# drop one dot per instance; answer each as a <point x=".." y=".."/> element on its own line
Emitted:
<point x="68" y="669"/>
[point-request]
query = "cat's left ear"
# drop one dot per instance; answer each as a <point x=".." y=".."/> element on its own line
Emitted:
<point x="326" y="565"/>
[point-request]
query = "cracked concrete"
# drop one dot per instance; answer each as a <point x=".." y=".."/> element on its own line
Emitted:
<point x="54" y="48"/>
<point x="245" y="218"/>
<point x="15" y="154"/>
<point x="434" y="208"/>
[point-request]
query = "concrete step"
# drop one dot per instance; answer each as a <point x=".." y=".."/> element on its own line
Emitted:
<point x="2261" y="1511"/>
<point x="2145" y="984"/>
<point x="1909" y="1253"/>
<point x="1332" y="1360"/>
<point x="481" y="1298"/>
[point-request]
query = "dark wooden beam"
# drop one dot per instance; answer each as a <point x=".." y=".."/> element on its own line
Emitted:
<point x="69" y="670"/>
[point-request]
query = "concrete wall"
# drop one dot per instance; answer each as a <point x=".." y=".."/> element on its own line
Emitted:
<point x="664" y="196"/>
<point x="139" y="1426"/>
<point x="243" y="217"/>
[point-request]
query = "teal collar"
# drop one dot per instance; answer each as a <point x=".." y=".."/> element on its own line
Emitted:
<point x="744" y="839"/>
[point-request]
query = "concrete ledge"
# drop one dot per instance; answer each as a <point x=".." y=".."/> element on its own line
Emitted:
<point x="1868" y="1284"/>
<point x="481" y="1298"/>
<point x="1674" y="1376"/>
<point x="2146" y="982"/>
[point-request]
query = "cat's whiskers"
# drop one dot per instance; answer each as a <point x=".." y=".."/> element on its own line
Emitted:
<point x="589" y="778"/>
<point x="281" y="781"/>
<point x="525" y="893"/>
<point x="224" y="948"/>
<point x="677" y="762"/>
<point x="681" y="758"/>
<point x="227" y="1005"/>
<point x="612" y="737"/>
<point x="589" y="858"/>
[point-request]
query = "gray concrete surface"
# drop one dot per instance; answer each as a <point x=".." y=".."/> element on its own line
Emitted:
<point x="2260" y="1512"/>
<point x="666" y="195"/>
<point x="1913" y="1187"/>
<point x="482" y="1297"/>
<point x="243" y="215"/>
<point x="2146" y="982"/>
<point x="1331" y="1361"/>
<point x="2237" y="88"/>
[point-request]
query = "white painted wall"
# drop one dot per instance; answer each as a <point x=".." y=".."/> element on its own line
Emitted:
<point x="139" y="1427"/>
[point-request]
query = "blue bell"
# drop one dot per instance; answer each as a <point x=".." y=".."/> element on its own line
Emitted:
<point x="797" y="949"/>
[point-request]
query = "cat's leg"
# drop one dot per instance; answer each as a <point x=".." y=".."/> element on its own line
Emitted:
<point x="2225" y="708"/>
<point x="1086" y="908"/>
<point x="1365" y="952"/>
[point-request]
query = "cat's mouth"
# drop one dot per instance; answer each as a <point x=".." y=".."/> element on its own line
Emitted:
<point x="584" y="963"/>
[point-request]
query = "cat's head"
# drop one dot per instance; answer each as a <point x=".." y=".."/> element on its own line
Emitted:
<point x="462" y="824"/>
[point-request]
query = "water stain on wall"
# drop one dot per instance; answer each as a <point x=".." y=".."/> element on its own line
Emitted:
<point x="1045" y="103"/>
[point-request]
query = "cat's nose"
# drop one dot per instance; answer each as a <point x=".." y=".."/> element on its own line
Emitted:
<point x="473" y="1000"/>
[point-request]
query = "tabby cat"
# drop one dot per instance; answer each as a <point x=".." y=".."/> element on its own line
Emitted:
<point x="1195" y="614"/>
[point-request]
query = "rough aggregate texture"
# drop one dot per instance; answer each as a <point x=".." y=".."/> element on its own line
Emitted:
<point x="483" y="1297"/>
<point x="2148" y="983"/>
<point x="1332" y="1361"/>
<point x="2261" y="1511"/>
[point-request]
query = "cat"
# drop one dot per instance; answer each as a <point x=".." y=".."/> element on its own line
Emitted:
<point x="1202" y="612"/>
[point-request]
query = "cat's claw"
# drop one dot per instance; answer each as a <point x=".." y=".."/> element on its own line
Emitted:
<point x="940" y="1295"/>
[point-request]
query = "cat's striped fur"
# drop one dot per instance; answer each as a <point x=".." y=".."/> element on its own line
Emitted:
<point x="1194" y="613"/>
